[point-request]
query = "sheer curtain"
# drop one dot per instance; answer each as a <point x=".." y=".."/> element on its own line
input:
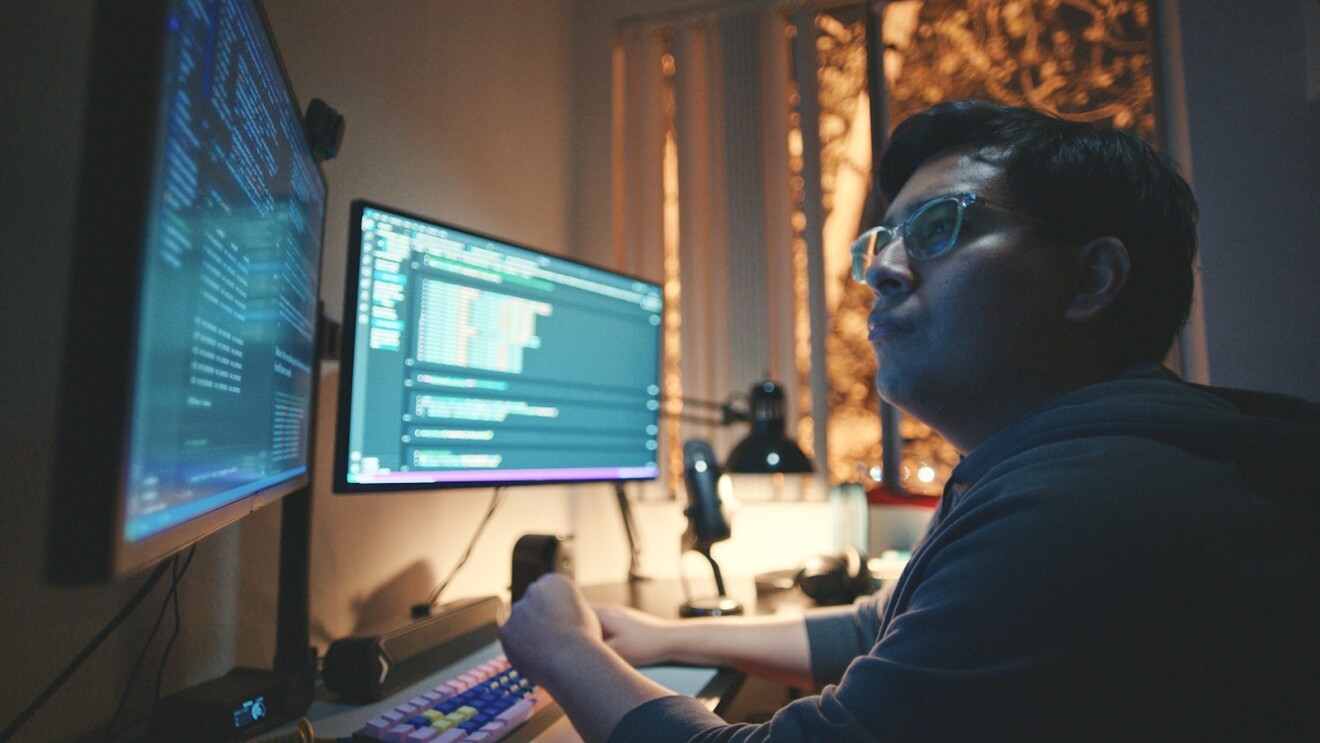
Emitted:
<point x="704" y="199"/>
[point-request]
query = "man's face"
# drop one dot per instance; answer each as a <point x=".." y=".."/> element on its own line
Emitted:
<point x="975" y="332"/>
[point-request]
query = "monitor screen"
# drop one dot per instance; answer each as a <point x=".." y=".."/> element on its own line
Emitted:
<point x="191" y="338"/>
<point x="471" y="360"/>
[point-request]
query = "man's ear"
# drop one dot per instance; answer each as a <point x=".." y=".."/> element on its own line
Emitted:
<point x="1103" y="267"/>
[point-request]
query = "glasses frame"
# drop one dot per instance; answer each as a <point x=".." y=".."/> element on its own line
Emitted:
<point x="867" y="245"/>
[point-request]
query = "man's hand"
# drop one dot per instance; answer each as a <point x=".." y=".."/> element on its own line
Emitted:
<point x="554" y="638"/>
<point x="549" y="626"/>
<point x="642" y="639"/>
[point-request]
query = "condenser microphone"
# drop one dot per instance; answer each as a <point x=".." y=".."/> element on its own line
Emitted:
<point x="707" y="523"/>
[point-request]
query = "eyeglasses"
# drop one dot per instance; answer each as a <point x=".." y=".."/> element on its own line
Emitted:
<point x="929" y="232"/>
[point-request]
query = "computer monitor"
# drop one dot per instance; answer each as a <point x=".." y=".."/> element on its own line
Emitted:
<point x="470" y="361"/>
<point x="192" y="316"/>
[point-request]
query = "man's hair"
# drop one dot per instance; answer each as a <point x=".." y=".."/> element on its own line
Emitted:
<point x="1081" y="182"/>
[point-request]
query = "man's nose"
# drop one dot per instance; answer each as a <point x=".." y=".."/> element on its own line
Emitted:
<point x="890" y="271"/>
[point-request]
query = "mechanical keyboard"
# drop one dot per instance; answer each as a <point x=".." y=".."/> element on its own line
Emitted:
<point x="481" y="705"/>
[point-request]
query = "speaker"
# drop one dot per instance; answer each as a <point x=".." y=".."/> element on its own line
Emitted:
<point x="377" y="663"/>
<point x="707" y="521"/>
<point x="535" y="555"/>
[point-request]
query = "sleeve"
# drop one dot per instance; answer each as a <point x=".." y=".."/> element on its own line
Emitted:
<point x="835" y="640"/>
<point x="679" y="719"/>
<point x="675" y="718"/>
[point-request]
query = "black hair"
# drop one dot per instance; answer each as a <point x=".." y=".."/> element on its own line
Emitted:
<point x="1081" y="182"/>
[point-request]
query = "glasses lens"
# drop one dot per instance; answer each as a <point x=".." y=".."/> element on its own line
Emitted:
<point x="933" y="230"/>
<point x="930" y="232"/>
<point x="865" y="247"/>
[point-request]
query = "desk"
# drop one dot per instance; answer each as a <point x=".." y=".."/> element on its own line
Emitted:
<point x="716" y="688"/>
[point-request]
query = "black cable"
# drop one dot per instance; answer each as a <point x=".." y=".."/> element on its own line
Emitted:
<point x="142" y="654"/>
<point x="424" y="610"/>
<point x="178" y="622"/>
<point x="85" y="653"/>
<point x="171" y="599"/>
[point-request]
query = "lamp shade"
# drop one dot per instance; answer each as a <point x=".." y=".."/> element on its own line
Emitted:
<point x="766" y="450"/>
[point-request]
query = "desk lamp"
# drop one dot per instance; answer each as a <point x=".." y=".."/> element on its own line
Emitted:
<point x="766" y="450"/>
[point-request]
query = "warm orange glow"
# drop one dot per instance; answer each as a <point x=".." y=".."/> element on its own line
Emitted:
<point x="671" y="376"/>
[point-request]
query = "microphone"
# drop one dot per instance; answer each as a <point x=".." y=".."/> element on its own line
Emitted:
<point x="707" y="523"/>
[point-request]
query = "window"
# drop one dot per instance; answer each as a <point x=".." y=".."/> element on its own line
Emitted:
<point x="743" y="140"/>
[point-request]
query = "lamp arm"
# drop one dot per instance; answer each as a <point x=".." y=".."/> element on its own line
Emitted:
<point x="730" y="413"/>
<point x="703" y="420"/>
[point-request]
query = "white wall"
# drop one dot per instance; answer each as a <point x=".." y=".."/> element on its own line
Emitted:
<point x="456" y="109"/>
<point x="441" y="120"/>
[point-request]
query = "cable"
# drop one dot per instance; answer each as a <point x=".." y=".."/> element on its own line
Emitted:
<point x="424" y="610"/>
<point x="85" y="653"/>
<point x="171" y="599"/>
<point x="169" y="646"/>
<point x="142" y="655"/>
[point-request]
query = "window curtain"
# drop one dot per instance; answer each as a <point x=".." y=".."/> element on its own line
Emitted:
<point x="704" y="201"/>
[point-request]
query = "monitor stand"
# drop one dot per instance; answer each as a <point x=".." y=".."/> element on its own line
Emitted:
<point x="630" y="531"/>
<point x="247" y="701"/>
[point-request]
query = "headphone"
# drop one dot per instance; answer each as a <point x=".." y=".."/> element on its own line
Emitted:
<point x="835" y="579"/>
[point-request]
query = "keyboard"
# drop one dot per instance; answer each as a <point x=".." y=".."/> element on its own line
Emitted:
<point x="481" y="705"/>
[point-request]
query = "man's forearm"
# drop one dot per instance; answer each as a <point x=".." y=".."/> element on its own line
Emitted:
<point x="596" y="688"/>
<point x="775" y="647"/>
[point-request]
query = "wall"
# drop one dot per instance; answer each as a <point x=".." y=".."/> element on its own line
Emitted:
<point x="442" y="121"/>
<point x="464" y="111"/>
<point x="1253" y="136"/>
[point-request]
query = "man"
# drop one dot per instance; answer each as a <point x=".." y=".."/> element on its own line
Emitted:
<point x="1119" y="555"/>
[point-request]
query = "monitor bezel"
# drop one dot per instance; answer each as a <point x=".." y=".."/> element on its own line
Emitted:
<point x="85" y="542"/>
<point x="340" y="483"/>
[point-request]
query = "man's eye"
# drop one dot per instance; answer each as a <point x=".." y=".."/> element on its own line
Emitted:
<point x="933" y="227"/>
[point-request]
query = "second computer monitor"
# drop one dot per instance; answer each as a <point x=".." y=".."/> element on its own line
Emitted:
<point x="471" y="360"/>
<point x="186" y="396"/>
